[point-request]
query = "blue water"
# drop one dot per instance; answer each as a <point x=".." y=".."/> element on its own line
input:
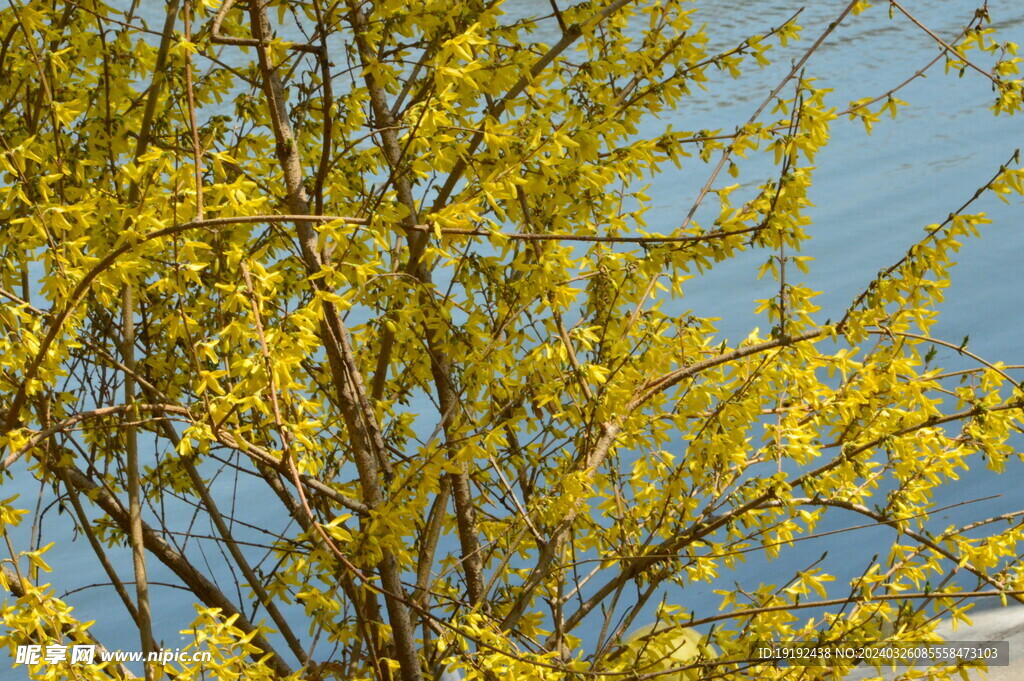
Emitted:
<point x="873" y="196"/>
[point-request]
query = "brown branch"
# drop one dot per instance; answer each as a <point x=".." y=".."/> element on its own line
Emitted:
<point x="264" y="457"/>
<point x="937" y="341"/>
<point x="917" y="536"/>
<point x="596" y="456"/>
<point x="218" y="38"/>
<point x="190" y="99"/>
<point x="196" y="582"/>
<point x="97" y="548"/>
<point x="144" y="621"/>
<point x="666" y="381"/>
<point x="727" y="151"/>
<point x="232" y="546"/>
<point x="672" y="546"/>
<point x="589" y="238"/>
<point x="258" y="454"/>
<point x="429" y="538"/>
<point x="465" y="512"/>
<point x="572" y="34"/>
<point x="367" y="440"/>
<point x="68" y="423"/>
<point x="910" y="595"/>
<point x="326" y="102"/>
<point x="949" y="49"/>
<point x="930" y="235"/>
